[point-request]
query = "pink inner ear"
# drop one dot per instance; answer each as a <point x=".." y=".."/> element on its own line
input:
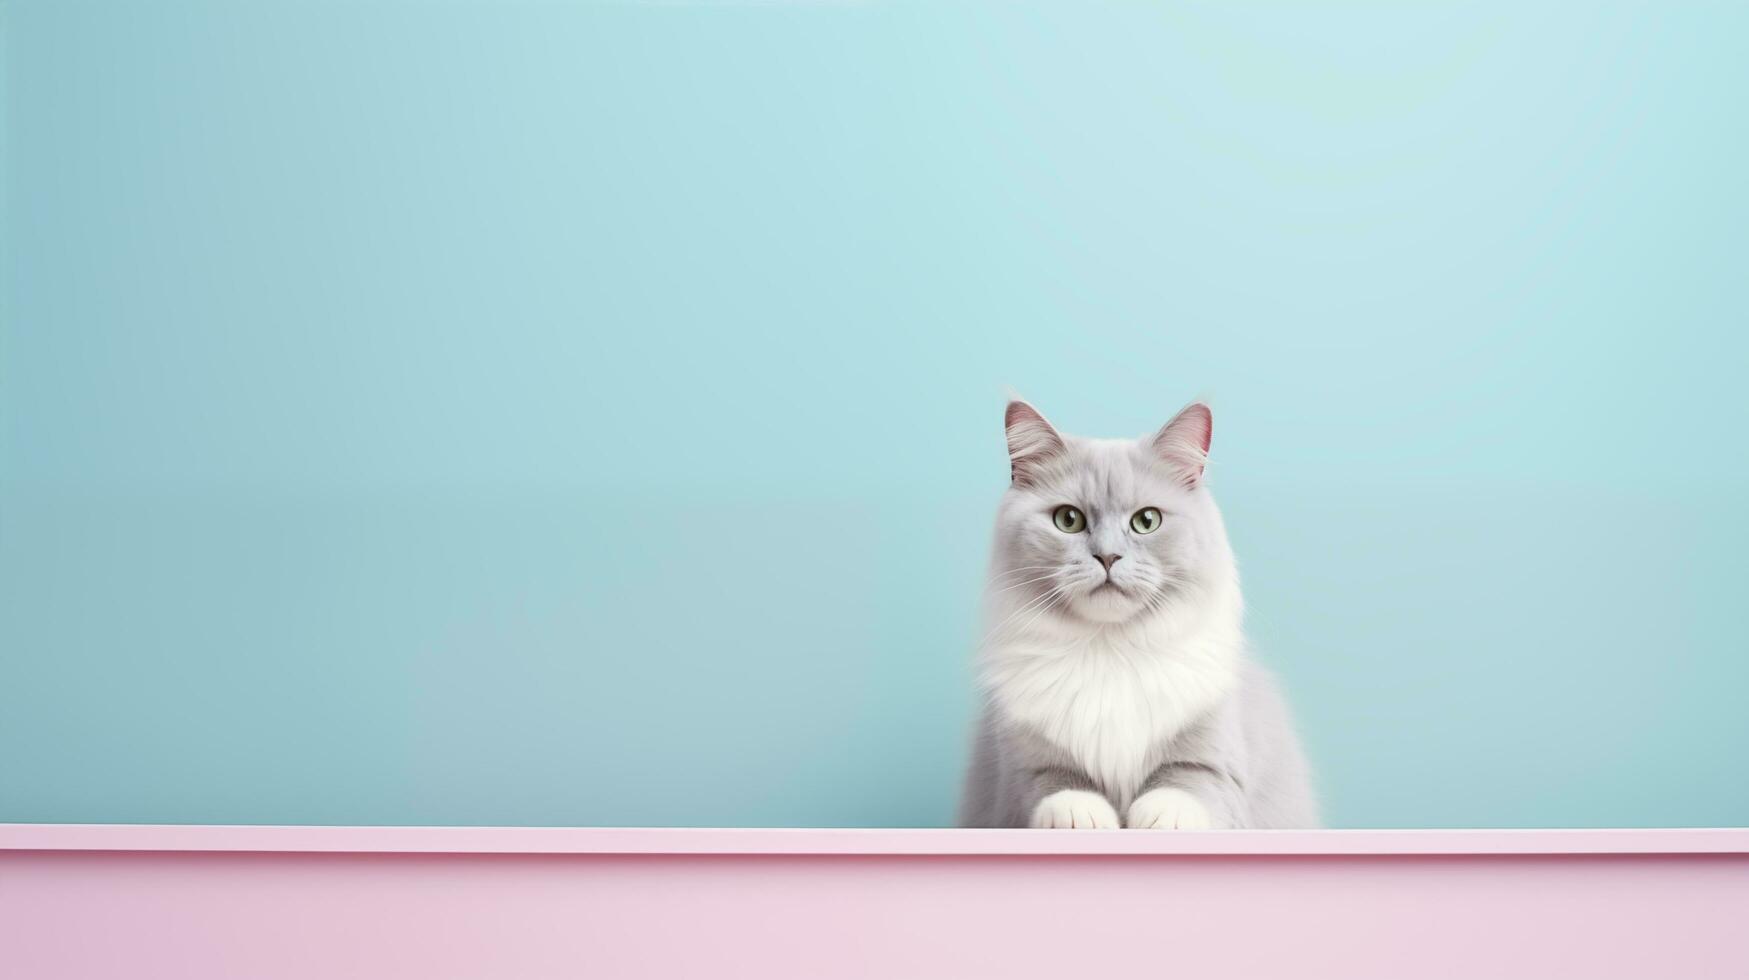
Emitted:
<point x="1184" y="442"/>
<point x="1205" y="423"/>
<point x="1192" y="427"/>
<point x="1030" y="440"/>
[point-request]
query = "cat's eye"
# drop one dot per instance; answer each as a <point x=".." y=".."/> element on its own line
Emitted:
<point x="1146" y="520"/>
<point x="1069" y="520"/>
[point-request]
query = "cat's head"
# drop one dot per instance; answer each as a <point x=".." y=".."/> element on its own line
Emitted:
<point x="1107" y="531"/>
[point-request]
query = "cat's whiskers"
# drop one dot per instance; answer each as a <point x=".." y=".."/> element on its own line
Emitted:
<point x="1021" y="570"/>
<point x="1017" y="613"/>
<point x="1040" y="612"/>
<point x="1019" y="585"/>
<point x="1038" y="602"/>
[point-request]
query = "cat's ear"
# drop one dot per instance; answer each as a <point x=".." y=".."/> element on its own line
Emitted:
<point x="1183" y="443"/>
<point x="1031" y="441"/>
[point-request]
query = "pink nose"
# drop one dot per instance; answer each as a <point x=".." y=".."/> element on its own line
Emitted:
<point x="1108" y="561"/>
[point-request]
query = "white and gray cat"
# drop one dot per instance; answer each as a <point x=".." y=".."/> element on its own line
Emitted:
<point x="1117" y="687"/>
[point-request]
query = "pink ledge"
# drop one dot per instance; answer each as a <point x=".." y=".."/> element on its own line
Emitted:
<point x="646" y="840"/>
<point x="433" y="903"/>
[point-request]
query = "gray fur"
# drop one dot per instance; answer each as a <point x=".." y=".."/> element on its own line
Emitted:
<point x="1242" y="760"/>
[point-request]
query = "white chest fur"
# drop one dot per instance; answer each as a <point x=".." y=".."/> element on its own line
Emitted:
<point x="1109" y="701"/>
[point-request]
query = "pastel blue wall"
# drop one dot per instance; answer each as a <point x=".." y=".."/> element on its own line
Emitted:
<point x="589" y="414"/>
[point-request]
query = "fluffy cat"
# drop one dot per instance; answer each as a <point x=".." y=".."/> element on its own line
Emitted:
<point x="1117" y="687"/>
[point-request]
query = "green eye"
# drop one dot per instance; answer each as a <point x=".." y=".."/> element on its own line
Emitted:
<point x="1146" y="520"/>
<point x="1069" y="520"/>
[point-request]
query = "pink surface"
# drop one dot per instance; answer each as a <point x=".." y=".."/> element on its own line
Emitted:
<point x="687" y="840"/>
<point x="413" y="902"/>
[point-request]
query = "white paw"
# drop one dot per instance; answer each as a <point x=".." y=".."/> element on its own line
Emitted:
<point x="1167" y="808"/>
<point x="1075" y="808"/>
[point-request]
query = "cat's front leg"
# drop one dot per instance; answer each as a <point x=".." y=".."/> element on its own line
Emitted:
<point x="1168" y="808"/>
<point x="1069" y="800"/>
<point x="1075" y="809"/>
<point x="1185" y="796"/>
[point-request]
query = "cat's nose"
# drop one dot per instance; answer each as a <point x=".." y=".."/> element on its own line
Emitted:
<point x="1108" y="561"/>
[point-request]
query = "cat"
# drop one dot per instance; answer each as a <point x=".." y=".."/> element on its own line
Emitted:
<point x="1117" y="688"/>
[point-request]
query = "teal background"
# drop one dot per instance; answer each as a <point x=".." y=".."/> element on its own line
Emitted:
<point x="589" y="414"/>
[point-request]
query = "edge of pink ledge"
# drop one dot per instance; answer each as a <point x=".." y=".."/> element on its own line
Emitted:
<point x="651" y="840"/>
